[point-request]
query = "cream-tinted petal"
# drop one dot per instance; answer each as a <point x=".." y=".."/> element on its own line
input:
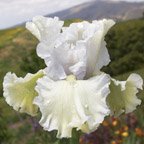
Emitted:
<point x="134" y="82"/>
<point x="122" y="97"/>
<point x="72" y="103"/>
<point x="20" y="92"/>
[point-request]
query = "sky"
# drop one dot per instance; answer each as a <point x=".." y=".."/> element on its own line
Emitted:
<point x="13" y="12"/>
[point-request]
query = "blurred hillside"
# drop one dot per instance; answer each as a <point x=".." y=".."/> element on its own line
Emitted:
<point x="125" y="42"/>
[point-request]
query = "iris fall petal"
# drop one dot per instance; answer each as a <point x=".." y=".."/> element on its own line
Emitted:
<point x="20" y="92"/>
<point x="122" y="97"/>
<point x="72" y="103"/>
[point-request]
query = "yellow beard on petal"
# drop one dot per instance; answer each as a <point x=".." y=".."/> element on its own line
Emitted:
<point x="71" y="78"/>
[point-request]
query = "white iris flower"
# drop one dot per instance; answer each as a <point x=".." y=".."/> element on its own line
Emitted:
<point x="73" y="93"/>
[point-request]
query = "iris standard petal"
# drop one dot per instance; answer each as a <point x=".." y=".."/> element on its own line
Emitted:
<point x="72" y="103"/>
<point x="122" y="97"/>
<point x="79" y="49"/>
<point x="63" y="61"/>
<point x="19" y="92"/>
<point x="47" y="30"/>
<point x="97" y="53"/>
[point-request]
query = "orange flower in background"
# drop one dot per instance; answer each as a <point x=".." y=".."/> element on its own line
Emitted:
<point x="139" y="132"/>
<point x="115" y="123"/>
<point x="119" y="141"/>
<point x="125" y="128"/>
<point x="105" y="123"/>
<point x="117" y="132"/>
<point x="116" y="142"/>
<point x="81" y="140"/>
<point x="113" y="142"/>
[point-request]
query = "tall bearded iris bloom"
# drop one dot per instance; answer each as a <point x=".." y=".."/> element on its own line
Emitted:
<point x="73" y="92"/>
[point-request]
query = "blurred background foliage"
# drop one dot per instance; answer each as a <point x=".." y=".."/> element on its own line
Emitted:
<point x="125" y="42"/>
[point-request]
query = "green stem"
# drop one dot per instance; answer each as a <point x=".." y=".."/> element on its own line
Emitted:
<point x="74" y="140"/>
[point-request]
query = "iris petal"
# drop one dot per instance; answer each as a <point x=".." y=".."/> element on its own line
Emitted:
<point x="19" y="92"/>
<point x="122" y="97"/>
<point x="72" y="103"/>
<point x="97" y="53"/>
<point x="46" y="30"/>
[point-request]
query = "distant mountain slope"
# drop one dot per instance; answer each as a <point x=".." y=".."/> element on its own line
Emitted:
<point x="134" y="13"/>
<point x="102" y="9"/>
